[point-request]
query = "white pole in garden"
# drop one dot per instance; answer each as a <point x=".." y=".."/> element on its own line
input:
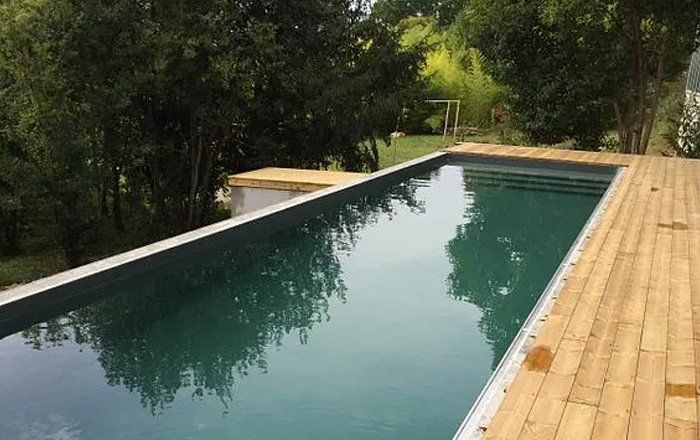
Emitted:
<point x="447" y="121"/>
<point x="454" y="136"/>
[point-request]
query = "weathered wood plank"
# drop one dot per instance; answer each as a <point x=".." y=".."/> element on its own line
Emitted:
<point x="692" y="173"/>
<point x="680" y="412"/>
<point x="647" y="417"/>
<point x="596" y="325"/>
<point x="538" y="153"/>
<point x="292" y="179"/>
<point x="596" y="358"/>
<point x="577" y="422"/>
<point x="612" y="419"/>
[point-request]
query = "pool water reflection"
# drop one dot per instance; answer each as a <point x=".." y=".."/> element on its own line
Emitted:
<point x="379" y="319"/>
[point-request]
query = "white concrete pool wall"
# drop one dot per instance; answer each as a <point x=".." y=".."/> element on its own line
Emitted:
<point x="246" y="200"/>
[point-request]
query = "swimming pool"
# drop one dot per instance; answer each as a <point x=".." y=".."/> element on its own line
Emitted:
<point x="373" y="312"/>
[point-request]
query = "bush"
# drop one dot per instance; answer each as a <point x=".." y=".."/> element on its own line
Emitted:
<point x="680" y="120"/>
<point x="451" y="72"/>
<point x="688" y="144"/>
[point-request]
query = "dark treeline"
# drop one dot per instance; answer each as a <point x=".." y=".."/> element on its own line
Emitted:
<point x="119" y="119"/>
<point x="578" y="69"/>
<point x="123" y="117"/>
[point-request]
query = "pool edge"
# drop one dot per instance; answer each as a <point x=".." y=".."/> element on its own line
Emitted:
<point x="17" y="303"/>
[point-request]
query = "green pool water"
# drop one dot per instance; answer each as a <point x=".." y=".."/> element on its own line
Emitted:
<point x="380" y="318"/>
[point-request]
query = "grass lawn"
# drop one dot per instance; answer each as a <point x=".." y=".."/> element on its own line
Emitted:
<point x="411" y="147"/>
<point x="29" y="267"/>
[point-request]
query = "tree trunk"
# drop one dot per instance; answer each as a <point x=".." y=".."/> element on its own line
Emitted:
<point x="636" y="113"/>
<point x="104" y="209"/>
<point x="204" y="186"/>
<point x="71" y="227"/>
<point x="620" y="127"/>
<point x="157" y="193"/>
<point x="635" y="108"/>
<point x="117" y="199"/>
<point x="9" y="233"/>
<point x="649" y="125"/>
<point x="625" y="129"/>
<point x="195" y="164"/>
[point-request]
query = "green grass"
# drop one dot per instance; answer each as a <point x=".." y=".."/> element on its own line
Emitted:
<point x="410" y="147"/>
<point x="414" y="146"/>
<point x="26" y="268"/>
<point x="658" y="144"/>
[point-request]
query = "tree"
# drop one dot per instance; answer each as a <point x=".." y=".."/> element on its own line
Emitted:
<point x="393" y="11"/>
<point x="47" y="119"/>
<point x="15" y="176"/>
<point x="451" y="71"/>
<point x="679" y="113"/>
<point x="573" y="66"/>
<point x="688" y="138"/>
<point x="330" y="97"/>
<point x="135" y="111"/>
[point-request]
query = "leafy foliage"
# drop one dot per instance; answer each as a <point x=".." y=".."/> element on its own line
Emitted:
<point x="690" y="134"/>
<point x="393" y="11"/>
<point x="575" y="65"/>
<point x="452" y="72"/>
<point x="131" y="113"/>
<point x="686" y="138"/>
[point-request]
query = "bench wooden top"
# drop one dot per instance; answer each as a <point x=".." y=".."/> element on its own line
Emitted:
<point x="622" y="341"/>
<point x="290" y="179"/>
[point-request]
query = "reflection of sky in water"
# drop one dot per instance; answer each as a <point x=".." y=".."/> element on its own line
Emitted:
<point x="380" y="320"/>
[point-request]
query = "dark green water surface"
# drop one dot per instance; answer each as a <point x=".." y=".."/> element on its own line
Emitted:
<point x="378" y="319"/>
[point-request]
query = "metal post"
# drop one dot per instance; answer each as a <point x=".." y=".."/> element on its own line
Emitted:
<point x="447" y="121"/>
<point x="454" y="136"/>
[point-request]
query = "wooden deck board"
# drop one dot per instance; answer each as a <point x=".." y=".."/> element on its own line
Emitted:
<point x="624" y="332"/>
<point x="646" y="418"/>
<point x="612" y="419"/>
<point x="693" y="199"/>
<point x="680" y="411"/>
<point x="290" y="179"/>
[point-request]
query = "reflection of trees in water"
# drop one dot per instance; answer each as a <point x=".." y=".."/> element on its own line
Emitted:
<point x="507" y="250"/>
<point x="202" y="326"/>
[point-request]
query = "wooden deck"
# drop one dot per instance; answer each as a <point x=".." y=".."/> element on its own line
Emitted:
<point x="619" y="354"/>
<point x="290" y="179"/>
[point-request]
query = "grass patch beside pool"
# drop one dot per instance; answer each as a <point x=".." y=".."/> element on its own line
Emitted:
<point x="26" y="268"/>
<point x="414" y="146"/>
